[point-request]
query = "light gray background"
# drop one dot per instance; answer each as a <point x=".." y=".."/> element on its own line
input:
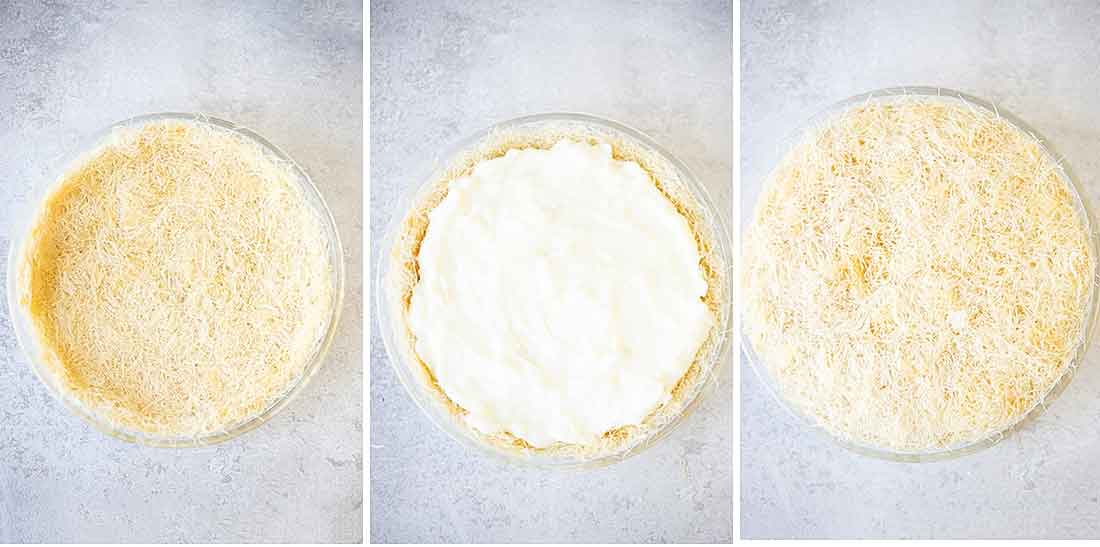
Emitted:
<point x="1040" y="63"/>
<point x="293" y="72"/>
<point x="438" y="75"/>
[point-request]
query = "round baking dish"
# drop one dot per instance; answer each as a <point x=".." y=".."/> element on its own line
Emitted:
<point x="463" y="155"/>
<point x="1089" y="314"/>
<point x="25" y="332"/>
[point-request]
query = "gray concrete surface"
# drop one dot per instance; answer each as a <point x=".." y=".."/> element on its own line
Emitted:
<point x="293" y="72"/>
<point x="1039" y="62"/>
<point x="440" y="74"/>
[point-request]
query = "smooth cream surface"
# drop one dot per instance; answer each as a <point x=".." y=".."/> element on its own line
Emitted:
<point x="560" y="294"/>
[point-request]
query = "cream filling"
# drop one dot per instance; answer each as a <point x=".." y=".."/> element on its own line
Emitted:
<point x="560" y="294"/>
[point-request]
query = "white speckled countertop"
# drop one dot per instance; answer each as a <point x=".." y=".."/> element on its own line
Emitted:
<point x="1039" y="63"/>
<point x="439" y="75"/>
<point x="289" y="70"/>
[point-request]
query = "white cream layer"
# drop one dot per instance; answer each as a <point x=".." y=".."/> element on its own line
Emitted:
<point x="560" y="294"/>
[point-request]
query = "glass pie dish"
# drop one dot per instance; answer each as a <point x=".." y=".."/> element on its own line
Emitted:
<point x="1089" y="310"/>
<point x="399" y="250"/>
<point x="36" y="353"/>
